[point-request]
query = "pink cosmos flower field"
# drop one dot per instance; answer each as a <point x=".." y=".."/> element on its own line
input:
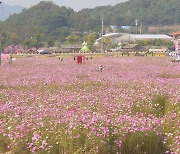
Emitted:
<point x="60" y="107"/>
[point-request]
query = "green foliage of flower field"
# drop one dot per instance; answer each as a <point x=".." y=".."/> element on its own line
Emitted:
<point x="60" y="108"/>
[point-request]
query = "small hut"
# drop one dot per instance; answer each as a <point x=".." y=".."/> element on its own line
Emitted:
<point x="85" y="48"/>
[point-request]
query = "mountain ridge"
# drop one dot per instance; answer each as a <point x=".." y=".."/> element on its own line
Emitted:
<point x="8" y="10"/>
<point x="51" y="20"/>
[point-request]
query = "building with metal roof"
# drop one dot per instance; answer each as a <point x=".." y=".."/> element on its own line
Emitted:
<point x="150" y="36"/>
<point x="112" y="36"/>
<point x="136" y="37"/>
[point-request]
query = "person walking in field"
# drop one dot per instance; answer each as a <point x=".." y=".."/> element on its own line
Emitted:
<point x="100" y="68"/>
<point x="10" y="60"/>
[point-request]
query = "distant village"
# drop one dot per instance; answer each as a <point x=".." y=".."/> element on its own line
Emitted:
<point x="120" y="42"/>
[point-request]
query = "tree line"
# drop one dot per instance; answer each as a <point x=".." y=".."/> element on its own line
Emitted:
<point x="54" y="23"/>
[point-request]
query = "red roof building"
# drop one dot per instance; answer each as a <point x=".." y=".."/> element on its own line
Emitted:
<point x="175" y="34"/>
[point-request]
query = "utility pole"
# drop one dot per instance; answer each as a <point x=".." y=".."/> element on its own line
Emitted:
<point x="0" y="44"/>
<point x="102" y="40"/>
<point x="129" y="42"/>
<point x="136" y="23"/>
<point x="140" y="31"/>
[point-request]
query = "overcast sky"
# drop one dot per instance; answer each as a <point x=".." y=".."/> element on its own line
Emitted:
<point x="75" y="4"/>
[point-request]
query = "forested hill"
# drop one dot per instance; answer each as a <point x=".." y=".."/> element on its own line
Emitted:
<point x="149" y="12"/>
<point x="52" y="20"/>
<point x="44" y="17"/>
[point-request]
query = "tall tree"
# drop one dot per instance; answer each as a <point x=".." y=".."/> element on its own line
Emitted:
<point x="72" y="39"/>
<point x="90" y="39"/>
<point x="37" y="41"/>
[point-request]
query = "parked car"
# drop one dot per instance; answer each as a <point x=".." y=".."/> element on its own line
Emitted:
<point x="170" y="49"/>
<point x="45" y="52"/>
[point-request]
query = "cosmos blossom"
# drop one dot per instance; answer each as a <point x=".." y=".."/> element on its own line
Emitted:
<point x="45" y="103"/>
